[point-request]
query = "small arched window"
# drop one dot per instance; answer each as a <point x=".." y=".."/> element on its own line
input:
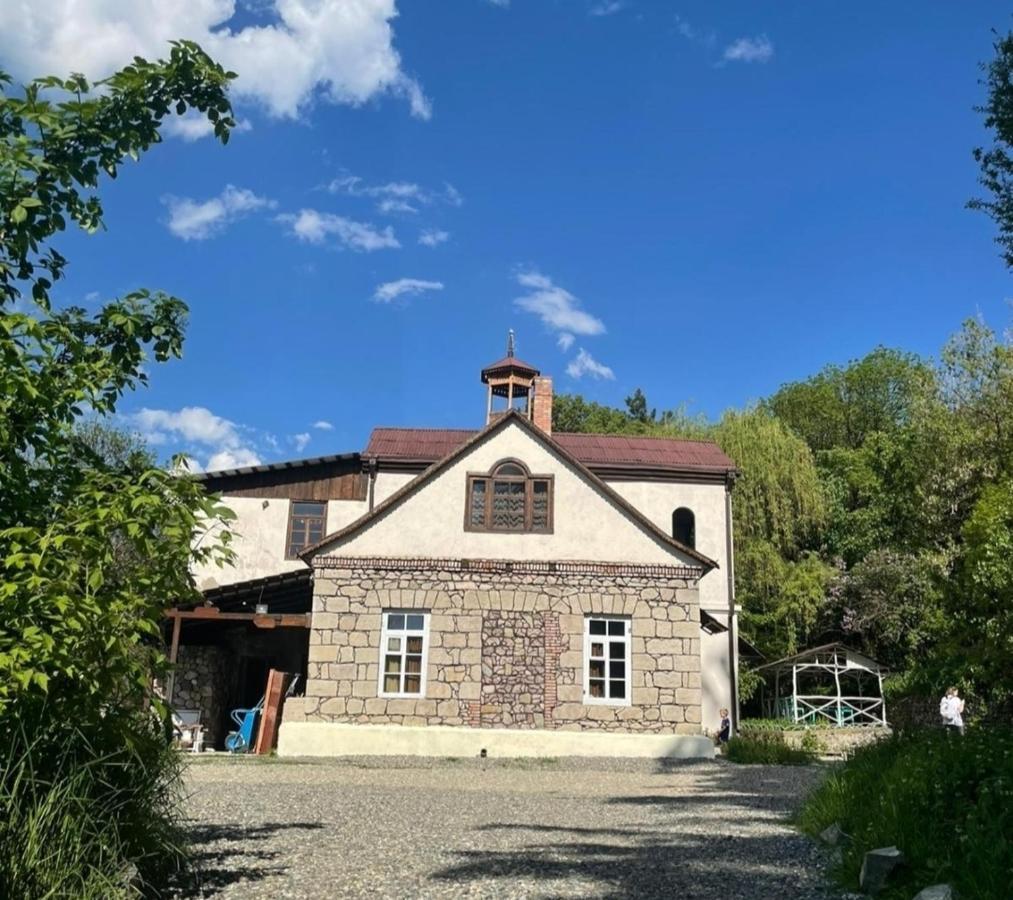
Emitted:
<point x="684" y="527"/>
<point x="509" y="498"/>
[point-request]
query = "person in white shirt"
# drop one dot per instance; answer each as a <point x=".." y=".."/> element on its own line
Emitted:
<point x="951" y="709"/>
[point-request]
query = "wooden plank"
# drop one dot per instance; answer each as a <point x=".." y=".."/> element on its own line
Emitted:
<point x="267" y="735"/>
<point x="345" y="481"/>
<point x="261" y="620"/>
<point x="173" y="655"/>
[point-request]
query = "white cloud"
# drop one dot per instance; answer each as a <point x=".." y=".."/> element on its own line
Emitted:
<point x="452" y="195"/>
<point x="197" y="425"/>
<point x="322" y="425"/>
<point x="433" y="237"/>
<point x="749" y="50"/>
<point x="300" y="440"/>
<point x="607" y="8"/>
<point x="395" y="196"/>
<point x="692" y="33"/>
<point x="193" y="126"/>
<point x="391" y="290"/>
<point x="195" y="221"/>
<point x="232" y="459"/>
<point x="339" y="50"/>
<point x="503" y="4"/>
<point x="565" y="340"/>
<point x="315" y="227"/>
<point x="392" y="205"/>
<point x="556" y="307"/>
<point x="585" y="364"/>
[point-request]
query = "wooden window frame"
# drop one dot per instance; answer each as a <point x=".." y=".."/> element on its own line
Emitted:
<point x="292" y="516"/>
<point x="528" y="479"/>
<point x="404" y="634"/>
<point x="627" y="639"/>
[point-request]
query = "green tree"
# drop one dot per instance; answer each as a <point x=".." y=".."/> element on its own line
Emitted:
<point x="63" y="631"/>
<point x="779" y="498"/>
<point x="636" y="408"/>
<point x="840" y="407"/>
<point x="981" y="609"/>
<point x="996" y="161"/>
<point x="95" y="540"/>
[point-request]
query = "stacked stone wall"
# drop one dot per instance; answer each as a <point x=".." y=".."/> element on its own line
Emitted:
<point x="202" y="682"/>
<point x="505" y="646"/>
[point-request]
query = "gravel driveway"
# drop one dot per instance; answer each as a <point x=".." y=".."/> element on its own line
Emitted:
<point x="510" y="828"/>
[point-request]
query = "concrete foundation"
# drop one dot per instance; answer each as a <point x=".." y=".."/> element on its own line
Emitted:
<point x="338" y="739"/>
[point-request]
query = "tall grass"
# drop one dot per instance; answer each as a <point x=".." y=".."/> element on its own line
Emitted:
<point x="945" y="801"/>
<point x="767" y="747"/>
<point x="87" y="811"/>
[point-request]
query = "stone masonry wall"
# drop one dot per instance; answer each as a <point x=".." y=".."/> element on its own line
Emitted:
<point x="505" y="644"/>
<point x="201" y="682"/>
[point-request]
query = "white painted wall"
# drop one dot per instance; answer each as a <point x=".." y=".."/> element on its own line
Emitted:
<point x="715" y="677"/>
<point x="659" y="499"/>
<point x="387" y="483"/>
<point x="260" y="530"/>
<point x="586" y="525"/>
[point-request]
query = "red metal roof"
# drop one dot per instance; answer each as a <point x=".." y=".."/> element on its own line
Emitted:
<point x="593" y="450"/>
<point x="509" y="362"/>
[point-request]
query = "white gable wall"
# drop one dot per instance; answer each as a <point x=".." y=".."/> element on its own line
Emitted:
<point x="586" y="526"/>
<point x="659" y="499"/>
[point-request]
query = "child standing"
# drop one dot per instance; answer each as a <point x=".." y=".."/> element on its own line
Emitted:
<point x="725" y="729"/>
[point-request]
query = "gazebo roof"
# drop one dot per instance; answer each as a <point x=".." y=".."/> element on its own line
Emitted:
<point x="852" y="659"/>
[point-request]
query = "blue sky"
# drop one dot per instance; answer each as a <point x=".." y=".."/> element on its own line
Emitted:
<point x="701" y="200"/>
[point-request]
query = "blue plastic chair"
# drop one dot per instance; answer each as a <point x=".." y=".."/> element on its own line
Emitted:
<point x="241" y="741"/>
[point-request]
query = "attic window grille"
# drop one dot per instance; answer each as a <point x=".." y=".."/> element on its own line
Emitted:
<point x="509" y="498"/>
<point x="306" y="522"/>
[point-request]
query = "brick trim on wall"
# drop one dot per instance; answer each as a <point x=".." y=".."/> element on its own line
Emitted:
<point x="508" y="566"/>
<point x="553" y="648"/>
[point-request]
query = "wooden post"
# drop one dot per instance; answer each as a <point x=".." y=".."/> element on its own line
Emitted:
<point x="837" y="682"/>
<point x="267" y="734"/>
<point x="882" y="699"/>
<point x="177" y="623"/>
<point x="488" y="411"/>
<point x="794" y="691"/>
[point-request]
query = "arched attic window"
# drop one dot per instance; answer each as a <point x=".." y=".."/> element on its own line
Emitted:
<point x="509" y="498"/>
<point x="684" y="527"/>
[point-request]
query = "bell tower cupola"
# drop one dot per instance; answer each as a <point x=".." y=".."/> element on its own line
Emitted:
<point x="514" y="384"/>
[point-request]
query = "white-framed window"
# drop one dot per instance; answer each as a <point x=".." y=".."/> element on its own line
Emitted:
<point x="404" y="651"/>
<point x="607" y="660"/>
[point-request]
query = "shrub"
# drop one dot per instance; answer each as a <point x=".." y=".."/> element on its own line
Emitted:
<point x="945" y="801"/>
<point x="87" y="811"/>
<point x="767" y="747"/>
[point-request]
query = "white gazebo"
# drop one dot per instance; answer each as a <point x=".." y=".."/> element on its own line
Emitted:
<point x="830" y="684"/>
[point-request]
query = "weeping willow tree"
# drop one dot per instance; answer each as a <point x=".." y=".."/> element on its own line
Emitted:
<point x="779" y="510"/>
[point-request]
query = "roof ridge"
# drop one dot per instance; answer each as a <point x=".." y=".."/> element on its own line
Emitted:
<point x="426" y="428"/>
<point x="652" y="437"/>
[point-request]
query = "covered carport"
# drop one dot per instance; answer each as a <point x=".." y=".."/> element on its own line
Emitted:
<point x="223" y="648"/>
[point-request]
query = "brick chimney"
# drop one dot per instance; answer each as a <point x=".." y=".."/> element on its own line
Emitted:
<point x="541" y="406"/>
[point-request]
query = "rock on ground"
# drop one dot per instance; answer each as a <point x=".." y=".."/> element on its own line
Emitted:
<point x="500" y="828"/>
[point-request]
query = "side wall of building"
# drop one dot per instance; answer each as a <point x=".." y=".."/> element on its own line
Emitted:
<point x="659" y="499"/>
<point x="506" y="645"/>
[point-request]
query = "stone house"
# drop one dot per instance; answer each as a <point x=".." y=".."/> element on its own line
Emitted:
<point x="506" y="589"/>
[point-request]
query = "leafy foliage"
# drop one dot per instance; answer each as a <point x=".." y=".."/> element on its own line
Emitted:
<point x="996" y="162"/>
<point x="95" y="540"/>
<point x="946" y="801"/>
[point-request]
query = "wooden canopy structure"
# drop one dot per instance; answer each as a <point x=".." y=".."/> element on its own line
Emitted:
<point x="829" y="684"/>
<point x="276" y="601"/>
